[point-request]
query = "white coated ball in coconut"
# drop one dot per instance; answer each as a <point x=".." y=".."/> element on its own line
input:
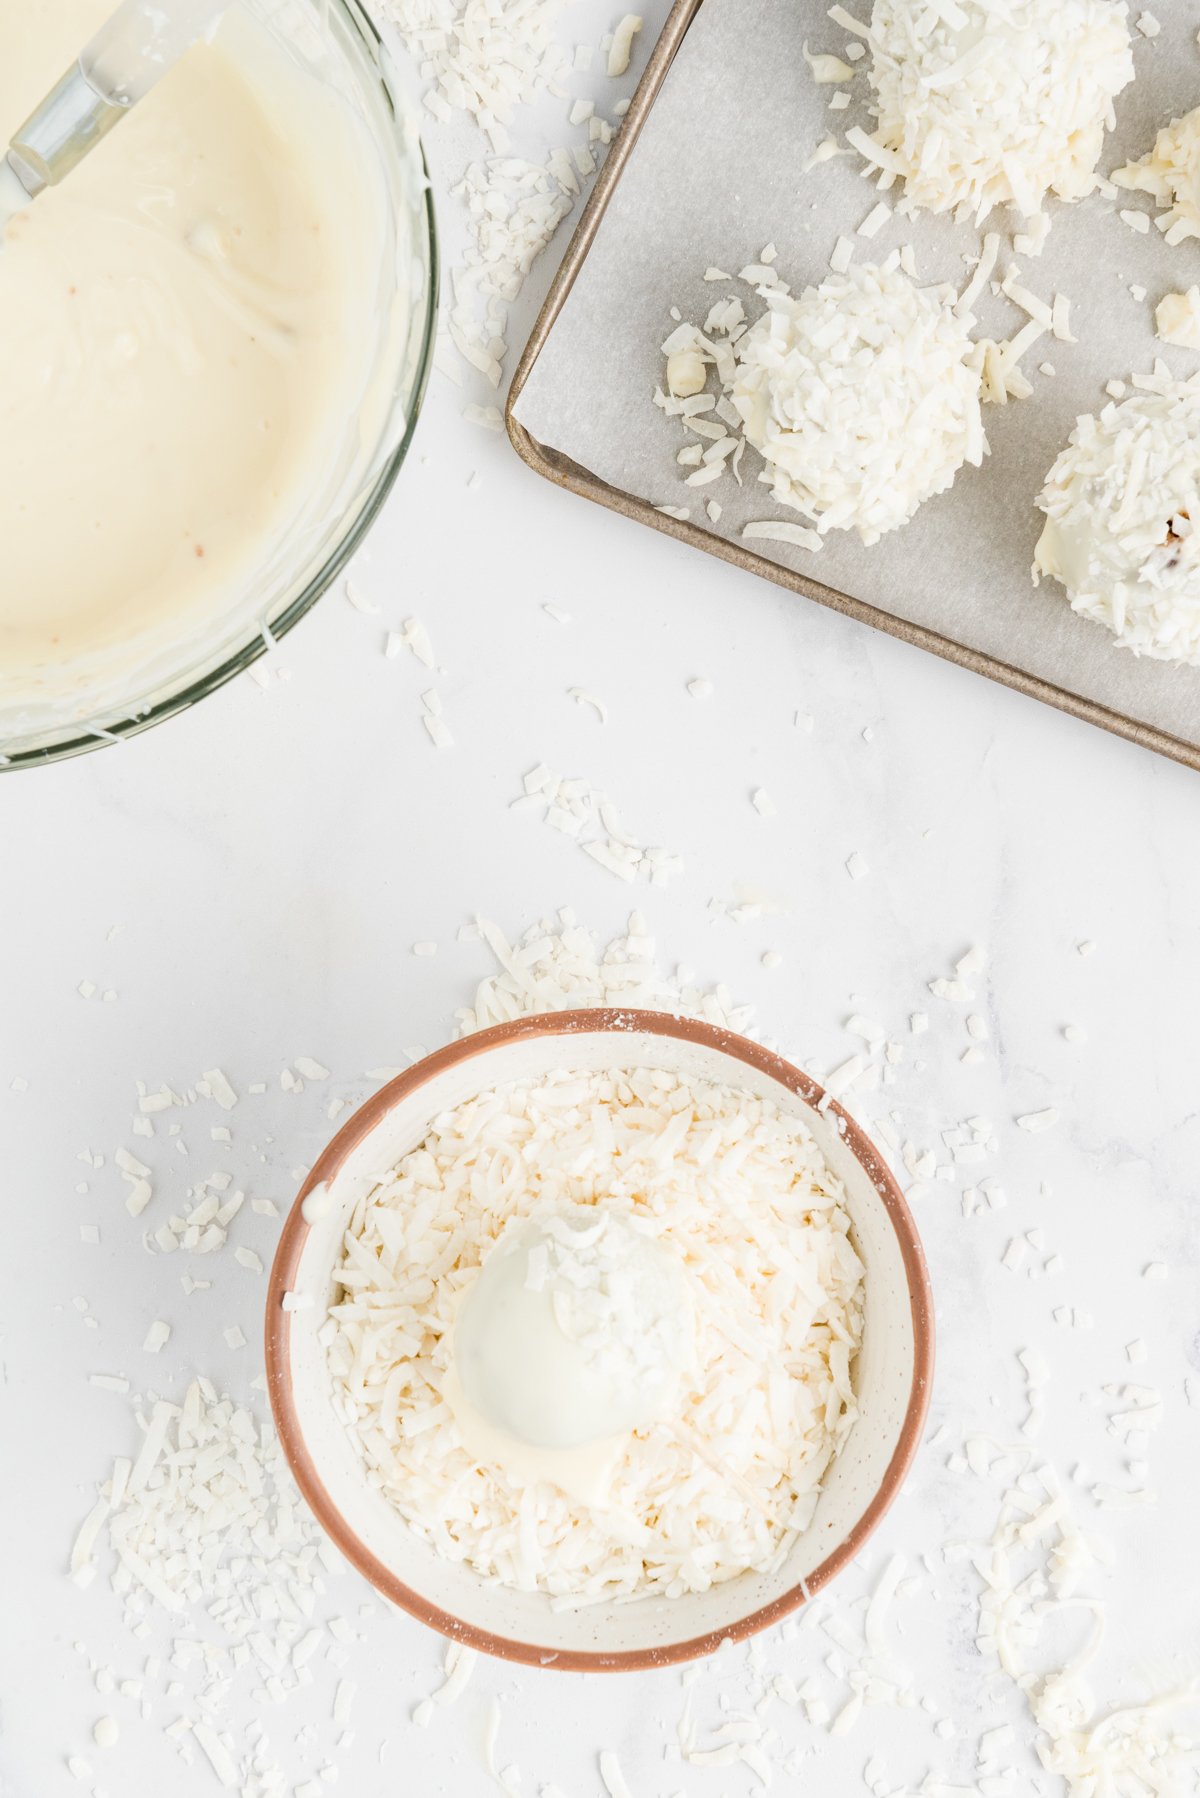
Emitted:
<point x="862" y="396"/>
<point x="578" y="1328"/>
<point x="984" y="103"/>
<point x="1122" y="532"/>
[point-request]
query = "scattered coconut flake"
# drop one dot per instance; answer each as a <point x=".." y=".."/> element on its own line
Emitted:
<point x="611" y="1774"/>
<point x="484" y="57"/>
<point x="1177" y="319"/>
<point x="216" y="1753"/>
<point x="843" y="255"/>
<point x="827" y="70"/>
<point x="1037" y="1121"/>
<point x="1037" y="1562"/>
<point x="217" y="1087"/>
<point x="825" y="151"/>
<point x="206" y="1521"/>
<point x="589" y="817"/>
<point x="779" y="531"/>
<point x="982" y="273"/>
<point x="621" y="48"/>
<point x="439" y="731"/>
<point x="514" y="207"/>
<point x="582" y="697"/>
<point x="357" y="598"/>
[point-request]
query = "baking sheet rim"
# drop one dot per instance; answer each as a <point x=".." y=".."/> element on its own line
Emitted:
<point x="560" y="469"/>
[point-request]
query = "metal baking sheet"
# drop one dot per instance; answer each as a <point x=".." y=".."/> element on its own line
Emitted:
<point x="709" y="168"/>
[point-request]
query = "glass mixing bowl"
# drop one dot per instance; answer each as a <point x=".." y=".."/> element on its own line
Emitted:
<point x="336" y="40"/>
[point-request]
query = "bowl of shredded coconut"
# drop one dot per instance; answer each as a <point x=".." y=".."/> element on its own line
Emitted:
<point x="599" y="1337"/>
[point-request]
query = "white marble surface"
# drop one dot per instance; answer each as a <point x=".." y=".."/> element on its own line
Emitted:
<point x="269" y="860"/>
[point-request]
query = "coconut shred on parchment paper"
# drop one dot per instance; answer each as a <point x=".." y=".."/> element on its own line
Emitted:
<point x="718" y="173"/>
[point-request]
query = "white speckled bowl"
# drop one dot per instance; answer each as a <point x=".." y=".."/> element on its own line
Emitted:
<point x="892" y="1373"/>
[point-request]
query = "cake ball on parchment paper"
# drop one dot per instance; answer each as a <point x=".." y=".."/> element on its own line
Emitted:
<point x="862" y="396"/>
<point x="1122" y="532"/>
<point x="1171" y="172"/>
<point x="984" y="103"/>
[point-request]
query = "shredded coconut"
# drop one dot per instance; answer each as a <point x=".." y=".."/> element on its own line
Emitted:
<point x="982" y="104"/>
<point x="828" y="69"/>
<point x="1037" y="1565"/>
<point x="204" y="1519"/>
<point x="588" y="816"/>
<point x="621" y="48"/>
<point x="484" y="57"/>
<point x="556" y="966"/>
<point x="514" y="207"/>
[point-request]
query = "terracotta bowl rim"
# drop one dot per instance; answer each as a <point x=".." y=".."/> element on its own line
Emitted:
<point x="591" y="1021"/>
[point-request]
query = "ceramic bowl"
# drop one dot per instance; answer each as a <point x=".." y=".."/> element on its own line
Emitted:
<point x="892" y="1373"/>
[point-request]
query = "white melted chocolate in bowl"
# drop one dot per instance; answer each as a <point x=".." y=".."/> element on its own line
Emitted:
<point x="213" y="339"/>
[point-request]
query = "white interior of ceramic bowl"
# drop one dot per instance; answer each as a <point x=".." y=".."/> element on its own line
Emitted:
<point x="884" y="1373"/>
